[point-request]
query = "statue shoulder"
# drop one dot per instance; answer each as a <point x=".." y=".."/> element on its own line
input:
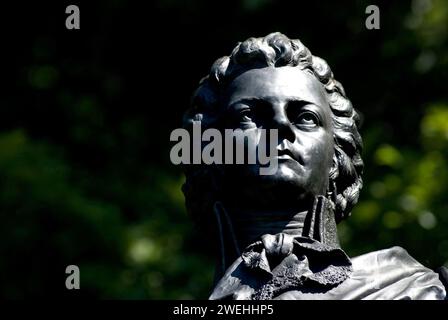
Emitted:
<point x="395" y="257"/>
<point x="394" y="270"/>
<point x="443" y="275"/>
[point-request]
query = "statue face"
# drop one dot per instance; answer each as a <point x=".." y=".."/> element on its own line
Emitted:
<point x="293" y="102"/>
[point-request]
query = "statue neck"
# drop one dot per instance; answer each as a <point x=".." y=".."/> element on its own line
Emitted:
<point x="239" y="228"/>
<point x="251" y="225"/>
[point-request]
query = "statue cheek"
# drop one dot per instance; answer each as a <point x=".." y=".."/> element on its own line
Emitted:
<point x="319" y="161"/>
<point x="319" y="147"/>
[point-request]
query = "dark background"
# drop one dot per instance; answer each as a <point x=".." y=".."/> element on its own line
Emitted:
<point x="85" y="119"/>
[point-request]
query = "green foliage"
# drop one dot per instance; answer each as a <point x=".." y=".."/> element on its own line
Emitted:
<point x="85" y="176"/>
<point x="406" y="205"/>
<point x="43" y="209"/>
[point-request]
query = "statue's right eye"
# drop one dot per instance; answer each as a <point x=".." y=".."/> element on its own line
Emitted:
<point x="245" y="115"/>
<point x="242" y="117"/>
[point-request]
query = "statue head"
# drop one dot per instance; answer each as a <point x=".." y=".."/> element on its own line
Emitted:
<point x="276" y="83"/>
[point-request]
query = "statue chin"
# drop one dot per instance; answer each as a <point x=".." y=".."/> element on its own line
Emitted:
<point x="286" y="188"/>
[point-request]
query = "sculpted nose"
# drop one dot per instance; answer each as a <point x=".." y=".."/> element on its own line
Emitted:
<point x="283" y="125"/>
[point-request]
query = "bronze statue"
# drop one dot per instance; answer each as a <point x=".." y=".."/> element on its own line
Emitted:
<point x="277" y="233"/>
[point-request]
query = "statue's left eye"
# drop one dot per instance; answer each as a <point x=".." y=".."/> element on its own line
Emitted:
<point x="307" y="119"/>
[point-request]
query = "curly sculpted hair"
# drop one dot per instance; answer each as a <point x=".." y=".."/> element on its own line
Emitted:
<point x="276" y="50"/>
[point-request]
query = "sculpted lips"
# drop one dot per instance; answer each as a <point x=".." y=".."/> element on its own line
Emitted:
<point x="285" y="153"/>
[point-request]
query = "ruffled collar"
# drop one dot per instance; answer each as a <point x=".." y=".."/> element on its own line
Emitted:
<point x="285" y="263"/>
<point x="279" y="263"/>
